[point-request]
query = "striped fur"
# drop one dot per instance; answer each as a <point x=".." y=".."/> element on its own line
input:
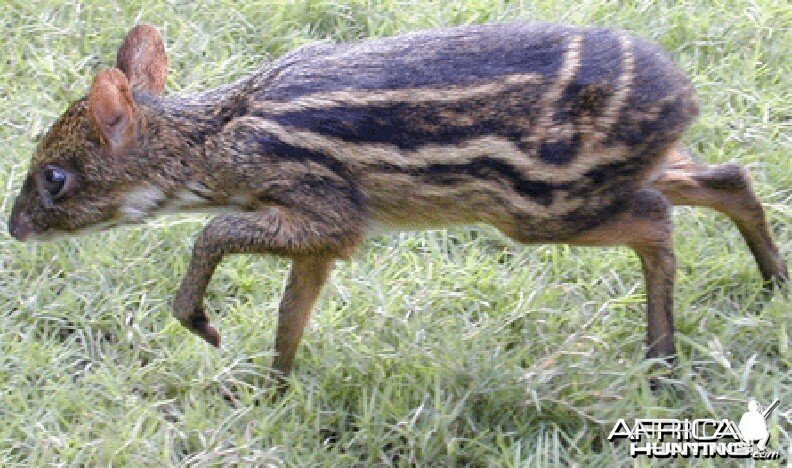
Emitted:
<point x="547" y="141"/>
<point x="550" y="133"/>
<point x="542" y="130"/>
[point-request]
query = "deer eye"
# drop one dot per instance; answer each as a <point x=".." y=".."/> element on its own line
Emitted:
<point x="55" y="180"/>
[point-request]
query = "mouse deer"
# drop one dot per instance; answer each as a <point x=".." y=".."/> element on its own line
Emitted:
<point x="550" y="133"/>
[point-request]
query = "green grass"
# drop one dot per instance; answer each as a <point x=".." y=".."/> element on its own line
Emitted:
<point x="445" y="347"/>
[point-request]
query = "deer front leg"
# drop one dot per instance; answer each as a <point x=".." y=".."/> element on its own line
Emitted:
<point x="312" y="244"/>
<point x="188" y="302"/>
<point x="308" y="275"/>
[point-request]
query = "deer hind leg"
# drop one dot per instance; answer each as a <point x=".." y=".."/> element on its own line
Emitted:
<point x="646" y="228"/>
<point x="726" y="188"/>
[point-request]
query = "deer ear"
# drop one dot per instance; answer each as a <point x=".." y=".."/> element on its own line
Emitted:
<point x="142" y="59"/>
<point x="112" y="108"/>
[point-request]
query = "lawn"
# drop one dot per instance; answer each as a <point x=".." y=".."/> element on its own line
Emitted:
<point x="445" y="347"/>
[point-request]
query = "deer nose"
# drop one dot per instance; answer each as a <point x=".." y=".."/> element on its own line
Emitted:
<point x="20" y="225"/>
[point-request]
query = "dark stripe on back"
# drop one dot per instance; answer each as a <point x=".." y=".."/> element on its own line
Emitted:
<point x="509" y="114"/>
<point x="656" y="78"/>
<point x="482" y="168"/>
<point x="410" y="126"/>
<point x="475" y="55"/>
<point x="587" y="94"/>
<point x="560" y="152"/>
<point x="340" y="183"/>
<point x="280" y="151"/>
<point x="443" y="57"/>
